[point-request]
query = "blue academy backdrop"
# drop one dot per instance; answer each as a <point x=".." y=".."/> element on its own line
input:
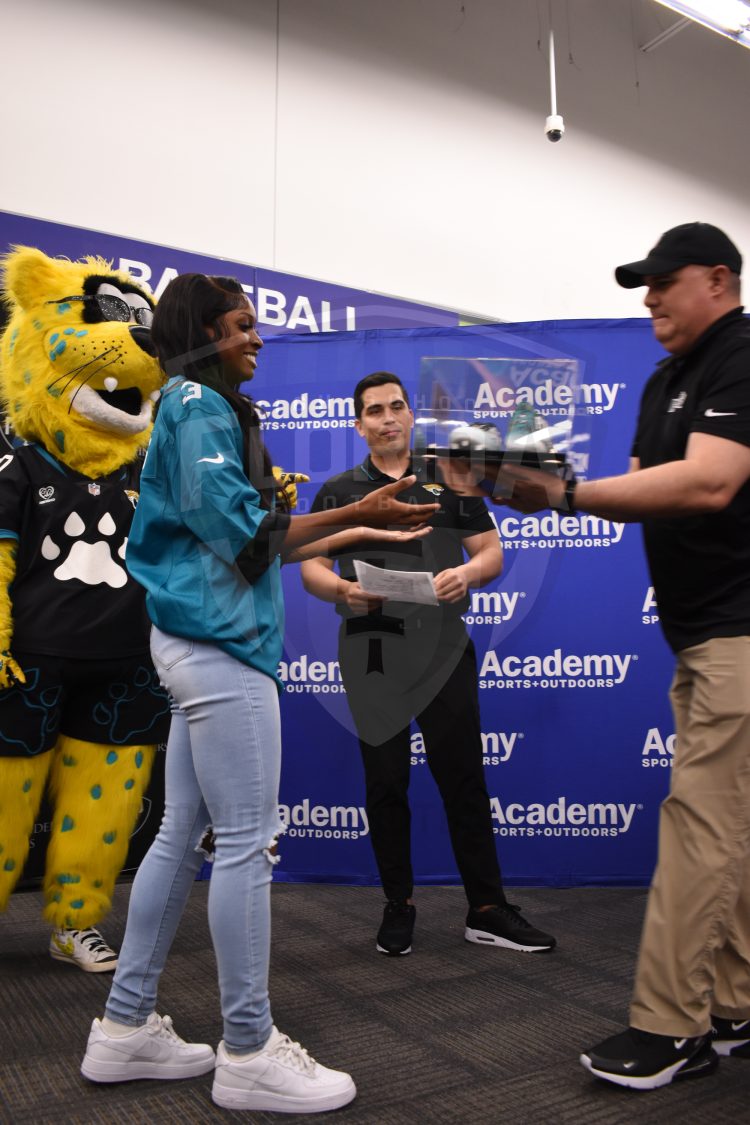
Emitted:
<point x="284" y="302"/>
<point x="574" y="671"/>
<point x="578" y="732"/>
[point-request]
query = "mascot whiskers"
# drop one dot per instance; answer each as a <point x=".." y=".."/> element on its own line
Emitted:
<point x="80" y="706"/>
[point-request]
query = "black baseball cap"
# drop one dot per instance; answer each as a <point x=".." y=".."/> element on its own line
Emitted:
<point x="692" y="244"/>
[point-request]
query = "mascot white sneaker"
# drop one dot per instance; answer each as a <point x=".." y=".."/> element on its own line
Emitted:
<point x="81" y="708"/>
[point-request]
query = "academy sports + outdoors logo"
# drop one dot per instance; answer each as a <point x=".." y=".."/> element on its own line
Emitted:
<point x="544" y="394"/>
<point x="324" y="822"/>
<point x="306" y="675"/>
<point x="492" y="607"/>
<point x="306" y="412"/>
<point x="523" y="533"/>
<point x="649" y="610"/>
<point x="497" y="747"/>
<point x="658" y="751"/>
<point x="554" y="670"/>
<point x="562" y="817"/>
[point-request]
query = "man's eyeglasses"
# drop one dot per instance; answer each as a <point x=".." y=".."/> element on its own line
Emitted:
<point x="112" y="308"/>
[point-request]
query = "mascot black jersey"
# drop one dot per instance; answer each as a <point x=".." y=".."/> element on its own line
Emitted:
<point x="72" y="595"/>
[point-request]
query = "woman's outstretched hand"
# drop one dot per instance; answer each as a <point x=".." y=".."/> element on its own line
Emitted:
<point x="381" y="509"/>
<point x="392" y="534"/>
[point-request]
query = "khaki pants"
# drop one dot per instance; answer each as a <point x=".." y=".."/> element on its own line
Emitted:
<point x="695" y="947"/>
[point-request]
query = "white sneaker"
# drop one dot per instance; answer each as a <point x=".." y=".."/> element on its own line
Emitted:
<point x="85" y="948"/>
<point x="281" y="1078"/>
<point x="154" y="1050"/>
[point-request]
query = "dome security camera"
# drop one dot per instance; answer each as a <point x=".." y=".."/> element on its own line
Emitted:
<point x="554" y="127"/>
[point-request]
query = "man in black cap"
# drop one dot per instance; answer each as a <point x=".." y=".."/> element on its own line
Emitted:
<point x="689" y="486"/>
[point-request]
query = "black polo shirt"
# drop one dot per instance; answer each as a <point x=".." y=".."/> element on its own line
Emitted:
<point x="700" y="565"/>
<point x="442" y="549"/>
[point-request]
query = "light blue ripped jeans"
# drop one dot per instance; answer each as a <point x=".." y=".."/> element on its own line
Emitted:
<point x="222" y="768"/>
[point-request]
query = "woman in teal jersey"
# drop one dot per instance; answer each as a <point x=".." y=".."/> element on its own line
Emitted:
<point x="206" y="544"/>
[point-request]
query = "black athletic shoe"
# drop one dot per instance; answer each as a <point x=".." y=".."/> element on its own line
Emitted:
<point x="731" y="1037"/>
<point x="645" y="1061"/>
<point x="394" y="935"/>
<point x="505" y="925"/>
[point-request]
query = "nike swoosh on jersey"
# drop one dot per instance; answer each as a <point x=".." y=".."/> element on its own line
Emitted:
<point x="217" y="460"/>
<point x="737" y="1025"/>
<point x="721" y="413"/>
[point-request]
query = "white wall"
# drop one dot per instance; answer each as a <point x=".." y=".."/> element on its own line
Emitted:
<point x="395" y="145"/>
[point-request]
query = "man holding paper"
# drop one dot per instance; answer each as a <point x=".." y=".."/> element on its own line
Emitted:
<point x="405" y="655"/>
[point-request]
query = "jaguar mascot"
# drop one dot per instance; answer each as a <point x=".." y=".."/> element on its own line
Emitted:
<point x="80" y="706"/>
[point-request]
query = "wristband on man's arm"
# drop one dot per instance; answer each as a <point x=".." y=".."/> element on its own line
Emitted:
<point x="567" y="503"/>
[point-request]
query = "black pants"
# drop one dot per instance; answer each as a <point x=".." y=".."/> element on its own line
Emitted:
<point x="432" y="677"/>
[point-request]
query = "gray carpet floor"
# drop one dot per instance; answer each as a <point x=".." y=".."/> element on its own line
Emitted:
<point x="453" y="1033"/>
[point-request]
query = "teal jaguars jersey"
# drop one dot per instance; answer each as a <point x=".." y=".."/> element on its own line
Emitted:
<point x="197" y="512"/>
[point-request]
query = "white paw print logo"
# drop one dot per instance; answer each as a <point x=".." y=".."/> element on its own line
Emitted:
<point x="91" y="563"/>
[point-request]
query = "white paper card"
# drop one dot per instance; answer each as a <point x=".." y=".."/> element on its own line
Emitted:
<point x="396" y="585"/>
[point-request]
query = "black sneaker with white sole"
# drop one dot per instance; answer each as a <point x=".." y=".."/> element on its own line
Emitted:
<point x="644" y="1061"/>
<point x="505" y="925"/>
<point x="396" y="929"/>
<point x="731" y="1037"/>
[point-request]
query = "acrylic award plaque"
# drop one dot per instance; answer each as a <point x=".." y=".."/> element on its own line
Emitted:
<point x="492" y="412"/>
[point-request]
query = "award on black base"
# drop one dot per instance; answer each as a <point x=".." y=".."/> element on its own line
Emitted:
<point x="480" y="415"/>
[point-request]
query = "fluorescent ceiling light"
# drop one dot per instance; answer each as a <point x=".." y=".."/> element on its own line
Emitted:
<point x="728" y="17"/>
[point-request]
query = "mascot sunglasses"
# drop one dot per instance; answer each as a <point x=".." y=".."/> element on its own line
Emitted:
<point x="112" y="308"/>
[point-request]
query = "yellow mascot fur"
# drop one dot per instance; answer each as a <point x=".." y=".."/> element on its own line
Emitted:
<point x="80" y="707"/>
